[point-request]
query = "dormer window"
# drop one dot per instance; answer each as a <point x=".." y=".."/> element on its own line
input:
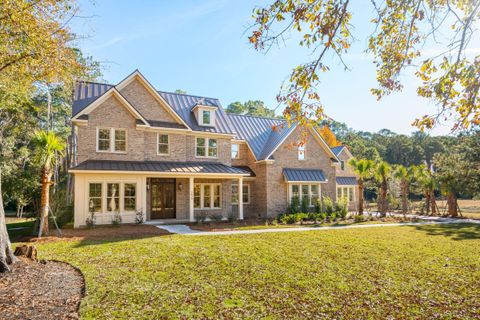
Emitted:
<point x="206" y="117"/>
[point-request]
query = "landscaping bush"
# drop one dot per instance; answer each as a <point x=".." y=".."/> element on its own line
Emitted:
<point x="305" y="205"/>
<point x="116" y="219"/>
<point x="200" y="217"/>
<point x="90" y="221"/>
<point x="139" y="217"/>
<point x="328" y="205"/>
<point x="294" y="205"/>
<point x="359" y="218"/>
<point x="216" y="217"/>
<point x="318" y="205"/>
<point x="341" y="209"/>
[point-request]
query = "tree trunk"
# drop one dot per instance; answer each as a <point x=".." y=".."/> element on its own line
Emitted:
<point x="360" y="196"/>
<point x="433" y="203"/>
<point x="383" y="198"/>
<point x="427" y="202"/>
<point x="45" y="202"/>
<point x="452" y="204"/>
<point x="6" y="253"/>
<point x="404" y="196"/>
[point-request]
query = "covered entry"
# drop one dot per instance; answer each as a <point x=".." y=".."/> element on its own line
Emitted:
<point x="162" y="198"/>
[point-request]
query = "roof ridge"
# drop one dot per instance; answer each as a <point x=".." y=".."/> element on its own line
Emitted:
<point x="252" y="116"/>
<point x="96" y="82"/>
<point x="186" y="94"/>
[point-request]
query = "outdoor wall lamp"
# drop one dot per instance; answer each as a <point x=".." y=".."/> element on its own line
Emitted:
<point x="180" y="186"/>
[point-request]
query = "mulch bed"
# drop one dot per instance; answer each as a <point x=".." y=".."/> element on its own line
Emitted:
<point x="35" y="290"/>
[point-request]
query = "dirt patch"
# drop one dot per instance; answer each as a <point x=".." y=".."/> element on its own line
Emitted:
<point x="35" y="290"/>
<point x="103" y="232"/>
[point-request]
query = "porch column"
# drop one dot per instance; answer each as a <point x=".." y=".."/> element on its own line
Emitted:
<point x="190" y="199"/>
<point x="240" y="198"/>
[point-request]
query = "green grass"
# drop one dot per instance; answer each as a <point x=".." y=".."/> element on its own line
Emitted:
<point x="429" y="271"/>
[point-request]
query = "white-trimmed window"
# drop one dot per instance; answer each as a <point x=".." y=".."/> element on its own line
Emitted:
<point x="111" y="140"/>
<point x="206" y="148"/>
<point x="310" y="192"/>
<point x="246" y="193"/>
<point x="207" y="196"/>
<point x="301" y="152"/>
<point x="342" y="165"/>
<point x="235" y="151"/>
<point x="113" y="197"/>
<point x="206" y="117"/>
<point x="162" y="144"/>
<point x="130" y="196"/>
<point x="95" y="196"/>
<point x="347" y="192"/>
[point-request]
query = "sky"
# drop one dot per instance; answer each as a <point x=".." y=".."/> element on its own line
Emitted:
<point x="202" y="47"/>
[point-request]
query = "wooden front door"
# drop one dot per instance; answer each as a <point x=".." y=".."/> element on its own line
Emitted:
<point x="162" y="198"/>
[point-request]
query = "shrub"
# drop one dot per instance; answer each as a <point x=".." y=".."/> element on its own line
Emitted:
<point x="341" y="208"/>
<point x="91" y="220"/>
<point x="305" y="205"/>
<point x="232" y="217"/>
<point x="294" y="205"/>
<point x="289" y="218"/>
<point x="328" y="205"/>
<point x="139" y="217"/>
<point x="116" y="219"/>
<point x="216" y="217"/>
<point x="322" y="216"/>
<point x="318" y="205"/>
<point x="359" y="218"/>
<point x="200" y="217"/>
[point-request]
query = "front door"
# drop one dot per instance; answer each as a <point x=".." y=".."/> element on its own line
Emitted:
<point x="162" y="195"/>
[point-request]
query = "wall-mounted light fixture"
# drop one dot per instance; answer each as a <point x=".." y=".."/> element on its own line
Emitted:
<point x="180" y="186"/>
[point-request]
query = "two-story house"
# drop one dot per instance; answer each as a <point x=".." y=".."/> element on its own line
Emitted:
<point x="172" y="156"/>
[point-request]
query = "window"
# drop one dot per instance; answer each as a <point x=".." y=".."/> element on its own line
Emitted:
<point x="207" y="196"/>
<point x="206" y="147"/>
<point x="301" y="152"/>
<point x="246" y="194"/>
<point x="346" y="192"/>
<point x="95" y="197"/>
<point x="309" y="192"/>
<point x="111" y="140"/>
<point x="206" y="116"/>
<point x="342" y="165"/>
<point x="235" y="151"/>
<point x="162" y="148"/>
<point x="113" y="197"/>
<point x="130" y="197"/>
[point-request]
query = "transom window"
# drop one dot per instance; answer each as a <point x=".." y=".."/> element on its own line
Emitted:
<point x="207" y="196"/>
<point x="235" y="151"/>
<point x="162" y="146"/>
<point x="347" y="192"/>
<point x="309" y="192"/>
<point x="301" y="152"/>
<point x="111" y="140"/>
<point x="206" y="148"/>
<point x="246" y="193"/>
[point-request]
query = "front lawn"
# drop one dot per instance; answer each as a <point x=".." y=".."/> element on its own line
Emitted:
<point x="429" y="271"/>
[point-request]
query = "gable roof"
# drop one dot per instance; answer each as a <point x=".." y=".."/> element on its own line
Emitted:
<point x="85" y="93"/>
<point x="337" y="150"/>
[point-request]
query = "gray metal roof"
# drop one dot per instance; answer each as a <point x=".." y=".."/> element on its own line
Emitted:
<point x="276" y="137"/>
<point x="165" y="124"/>
<point x="246" y="168"/>
<point x="183" y="104"/>
<point x="303" y="175"/>
<point x="87" y="92"/>
<point x="159" y="167"/>
<point x="347" y="181"/>
<point x="257" y="131"/>
<point x="337" y="150"/>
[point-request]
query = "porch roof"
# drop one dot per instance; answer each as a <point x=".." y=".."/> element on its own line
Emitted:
<point x="347" y="181"/>
<point x="172" y="168"/>
<point x="303" y="175"/>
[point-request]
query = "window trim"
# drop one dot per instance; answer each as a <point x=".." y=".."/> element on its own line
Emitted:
<point x="248" y="193"/>
<point x="304" y="147"/>
<point x="209" y="117"/>
<point x="238" y="150"/>
<point x="120" y="192"/>
<point x="207" y="147"/>
<point x="300" y="194"/>
<point x="158" y="144"/>
<point x="343" y="188"/>
<point x="212" y="196"/>
<point x="122" y="187"/>
<point x="112" y="135"/>
<point x="104" y="201"/>
<point x="101" y="195"/>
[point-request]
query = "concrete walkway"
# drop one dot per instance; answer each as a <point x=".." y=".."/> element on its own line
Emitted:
<point x="184" y="229"/>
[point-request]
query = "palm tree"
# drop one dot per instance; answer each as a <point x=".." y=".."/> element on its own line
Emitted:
<point x="47" y="147"/>
<point x="363" y="170"/>
<point x="382" y="173"/>
<point x="428" y="184"/>
<point x="405" y="175"/>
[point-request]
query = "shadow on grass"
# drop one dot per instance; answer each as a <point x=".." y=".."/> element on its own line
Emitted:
<point x="456" y="231"/>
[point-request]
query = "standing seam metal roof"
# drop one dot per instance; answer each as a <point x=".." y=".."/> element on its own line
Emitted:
<point x="346" y="181"/>
<point x="301" y="175"/>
